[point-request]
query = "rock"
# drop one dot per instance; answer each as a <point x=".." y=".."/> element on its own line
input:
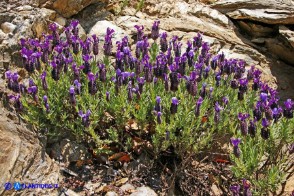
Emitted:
<point x="68" y="151"/>
<point x="23" y="158"/>
<point x="69" y="192"/>
<point x="60" y="20"/>
<point x="98" y="13"/>
<point x="100" y="30"/>
<point x="216" y="191"/>
<point x="256" y="30"/>
<point x="269" y="12"/>
<point x="91" y="187"/>
<point x="68" y="8"/>
<point x="143" y="191"/>
<point x="287" y="34"/>
<point x="127" y="187"/>
<point x="8" y="27"/>
<point x="283" y="50"/>
<point x="111" y="193"/>
<point x="3" y="36"/>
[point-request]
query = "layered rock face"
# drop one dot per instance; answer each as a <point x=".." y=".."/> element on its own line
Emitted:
<point x="23" y="158"/>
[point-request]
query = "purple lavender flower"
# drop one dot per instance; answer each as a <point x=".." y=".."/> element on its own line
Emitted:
<point x="163" y="42"/>
<point x="177" y="49"/>
<point x="257" y="113"/>
<point x="155" y="30"/>
<point x="256" y="84"/>
<point x="158" y="107"/>
<point x="77" y="87"/>
<point x="141" y="82"/>
<point x="235" y="190"/>
<point x="206" y="73"/>
<point x="166" y="82"/>
<point x="159" y="120"/>
<point x="191" y="84"/>
<point x="140" y="33"/>
<point x="203" y="90"/>
<point x="243" y="124"/>
<point x="108" y="42"/>
<point x="107" y="96"/>
<point x="265" y="130"/>
<point x="246" y="186"/>
<point x="92" y="84"/>
<point x="95" y="44"/>
<point x="45" y="99"/>
<point x="205" y="49"/>
<point x="148" y="72"/>
<point x="174" y="105"/>
<point x="210" y="92"/>
<point x="174" y="79"/>
<point x="288" y="110"/>
<point x="130" y="92"/>
<point x="33" y="90"/>
<point x="102" y="73"/>
<point x="277" y="113"/>
<point x="252" y="127"/>
<point x="218" y="78"/>
<point x="75" y="44"/>
<point x="44" y="82"/>
<point x="198" y="105"/>
<point x="190" y="56"/>
<point x="74" y="25"/>
<point x="17" y="103"/>
<point x="53" y="28"/>
<point x="86" y="65"/>
<point x="217" y="109"/>
<point x="234" y="84"/>
<point x="263" y="97"/>
<point x="236" y="142"/>
<point x="85" y="117"/>
<point x="72" y="98"/>
<point x="55" y="73"/>
<point x="197" y="41"/>
<point x="225" y="101"/>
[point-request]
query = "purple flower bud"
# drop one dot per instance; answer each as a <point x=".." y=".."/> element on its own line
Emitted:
<point x="174" y="81"/>
<point x="246" y="185"/>
<point x="198" y="105"/>
<point x="277" y="113"/>
<point x="265" y="133"/>
<point x="288" y="110"/>
<point x="108" y="42"/>
<point x="240" y="95"/>
<point x="217" y="109"/>
<point x="236" y="142"/>
<point x="158" y="107"/>
<point x="95" y="44"/>
<point x="163" y="42"/>
<point x="203" y="90"/>
<point x="72" y="98"/>
<point x="140" y="32"/>
<point x="159" y="114"/>
<point x="85" y="117"/>
<point x="44" y="82"/>
<point x="155" y="30"/>
<point x="107" y="96"/>
<point x="17" y="103"/>
<point x="243" y="85"/>
<point x="74" y="25"/>
<point x="252" y="128"/>
<point x="225" y="101"/>
<point x="197" y="41"/>
<point x="263" y="97"/>
<point x="92" y="84"/>
<point x="243" y="123"/>
<point x="174" y="105"/>
<point x="234" y="84"/>
<point x="235" y="190"/>
<point x="33" y="90"/>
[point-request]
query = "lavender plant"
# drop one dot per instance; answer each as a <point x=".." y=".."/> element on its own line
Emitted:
<point x="179" y="97"/>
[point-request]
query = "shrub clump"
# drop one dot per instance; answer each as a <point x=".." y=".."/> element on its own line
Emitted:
<point x="163" y="93"/>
